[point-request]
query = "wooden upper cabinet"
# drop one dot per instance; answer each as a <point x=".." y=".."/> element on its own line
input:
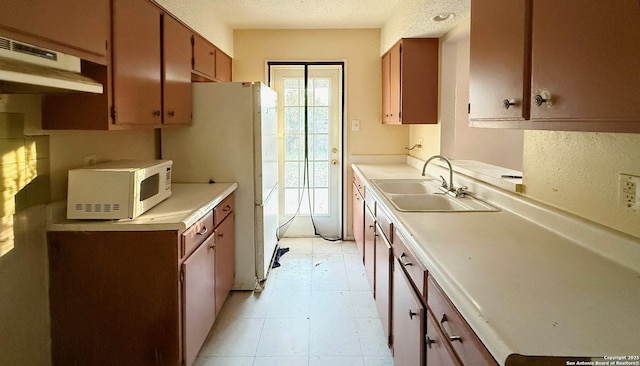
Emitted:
<point x="223" y="66"/>
<point x="204" y="57"/>
<point x="410" y="82"/>
<point x="176" y="57"/>
<point x="80" y="28"/>
<point x="137" y="63"/>
<point x="209" y="62"/>
<point x="499" y="61"/>
<point x="574" y="65"/>
<point x="585" y="59"/>
<point x="391" y="85"/>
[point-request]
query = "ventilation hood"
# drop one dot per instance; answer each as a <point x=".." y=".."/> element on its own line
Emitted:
<point x="26" y="69"/>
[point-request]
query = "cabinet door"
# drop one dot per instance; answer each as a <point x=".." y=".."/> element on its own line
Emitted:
<point x="223" y="66"/>
<point x="176" y="58"/>
<point x="198" y="294"/>
<point x="80" y="25"/>
<point x="394" y="83"/>
<point x="358" y="220"/>
<point x="408" y="322"/>
<point x="585" y="58"/>
<point x="136" y="63"/>
<point x="383" y="257"/>
<point x="499" y="60"/>
<point x="369" y="248"/>
<point x="204" y="56"/>
<point x="225" y="259"/>
<point x="386" y="75"/>
<point x="439" y="351"/>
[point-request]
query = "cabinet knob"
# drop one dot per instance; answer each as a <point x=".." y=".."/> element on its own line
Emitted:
<point x="543" y="97"/>
<point x="430" y="341"/>
<point x="202" y="231"/>
<point x="508" y="103"/>
<point x="220" y="235"/>
<point x="226" y="208"/>
<point x="172" y="114"/>
<point x="157" y="113"/>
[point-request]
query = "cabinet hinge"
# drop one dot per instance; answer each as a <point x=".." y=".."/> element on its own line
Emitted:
<point x="113" y="113"/>
<point x="469" y="108"/>
<point x="182" y="275"/>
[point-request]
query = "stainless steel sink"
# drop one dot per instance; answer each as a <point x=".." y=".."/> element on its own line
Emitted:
<point x="425" y="195"/>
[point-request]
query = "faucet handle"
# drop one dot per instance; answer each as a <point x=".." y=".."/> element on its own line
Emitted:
<point x="461" y="191"/>
<point x="444" y="184"/>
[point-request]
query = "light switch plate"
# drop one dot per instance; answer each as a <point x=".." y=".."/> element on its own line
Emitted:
<point x="355" y="125"/>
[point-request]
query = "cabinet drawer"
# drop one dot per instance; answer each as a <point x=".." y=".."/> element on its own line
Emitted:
<point x="196" y="234"/>
<point x="439" y="351"/>
<point x="415" y="270"/>
<point x="222" y="210"/>
<point x="466" y="344"/>
<point x="385" y="225"/>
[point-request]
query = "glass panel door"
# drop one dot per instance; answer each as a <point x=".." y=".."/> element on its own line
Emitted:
<point x="311" y="148"/>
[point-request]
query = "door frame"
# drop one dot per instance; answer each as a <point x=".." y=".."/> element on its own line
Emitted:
<point x="343" y="141"/>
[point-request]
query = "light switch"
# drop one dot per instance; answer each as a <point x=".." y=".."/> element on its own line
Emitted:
<point x="355" y="125"/>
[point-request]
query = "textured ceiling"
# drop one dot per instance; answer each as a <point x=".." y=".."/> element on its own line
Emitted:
<point x="322" y="14"/>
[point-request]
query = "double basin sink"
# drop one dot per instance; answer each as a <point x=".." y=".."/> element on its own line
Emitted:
<point x="425" y="195"/>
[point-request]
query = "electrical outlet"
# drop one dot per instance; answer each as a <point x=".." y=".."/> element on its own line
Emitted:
<point x="90" y="160"/>
<point x="629" y="191"/>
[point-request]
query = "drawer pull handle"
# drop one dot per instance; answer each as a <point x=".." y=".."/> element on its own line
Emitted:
<point x="226" y="208"/>
<point x="220" y="235"/>
<point x="202" y="231"/>
<point x="453" y="338"/>
<point x="406" y="264"/>
<point x="412" y="314"/>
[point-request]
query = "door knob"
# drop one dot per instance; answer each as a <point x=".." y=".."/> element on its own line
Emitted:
<point x="334" y="162"/>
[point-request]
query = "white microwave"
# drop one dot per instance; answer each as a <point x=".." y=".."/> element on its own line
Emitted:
<point x="120" y="189"/>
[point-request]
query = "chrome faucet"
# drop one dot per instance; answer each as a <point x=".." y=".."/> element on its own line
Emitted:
<point x="450" y="190"/>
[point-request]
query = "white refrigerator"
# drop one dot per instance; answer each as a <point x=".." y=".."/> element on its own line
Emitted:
<point x="234" y="137"/>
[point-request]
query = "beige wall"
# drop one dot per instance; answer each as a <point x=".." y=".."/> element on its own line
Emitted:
<point x="34" y="171"/>
<point x="24" y="307"/>
<point x="578" y="172"/>
<point x="360" y="49"/>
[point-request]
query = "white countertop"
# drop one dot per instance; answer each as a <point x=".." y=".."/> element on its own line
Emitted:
<point x="523" y="287"/>
<point x="186" y="205"/>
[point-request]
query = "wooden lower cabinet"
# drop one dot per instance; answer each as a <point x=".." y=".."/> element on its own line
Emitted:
<point x="358" y="219"/>
<point x="115" y="298"/>
<point x="225" y="259"/>
<point x="138" y="297"/>
<point x="383" y="262"/>
<point x="369" y="248"/>
<point x="457" y="332"/>
<point x="439" y="351"/>
<point x="199" y="297"/>
<point x="408" y="321"/>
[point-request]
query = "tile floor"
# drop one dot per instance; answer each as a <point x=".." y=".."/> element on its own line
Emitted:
<point x="317" y="309"/>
